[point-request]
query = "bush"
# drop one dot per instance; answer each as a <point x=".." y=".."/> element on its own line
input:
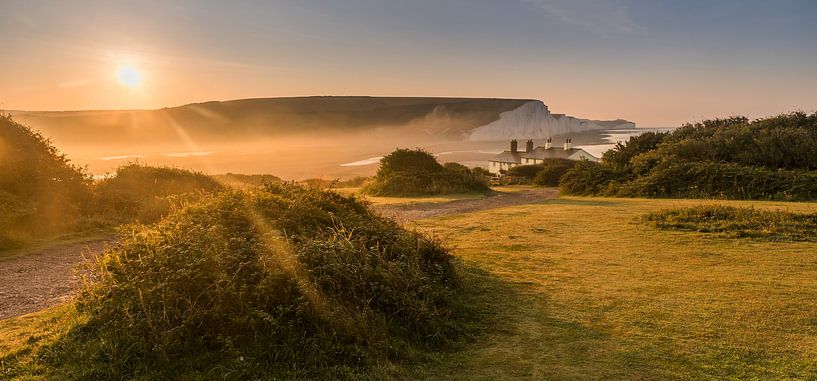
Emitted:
<point x="144" y="193"/>
<point x="524" y="173"/>
<point x="279" y="282"/>
<point x="770" y="158"/>
<point x="41" y="192"/>
<point x="416" y="173"/>
<point x="722" y="180"/>
<point x="551" y="173"/>
<point x="728" y="221"/>
<point x="589" y="178"/>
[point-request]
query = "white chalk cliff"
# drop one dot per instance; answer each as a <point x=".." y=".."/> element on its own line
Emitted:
<point x="533" y="120"/>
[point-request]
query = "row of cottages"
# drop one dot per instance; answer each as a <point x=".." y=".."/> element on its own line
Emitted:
<point x="509" y="159"/>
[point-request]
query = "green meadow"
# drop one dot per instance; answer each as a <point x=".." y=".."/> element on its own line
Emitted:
<point x="579" y="288"/>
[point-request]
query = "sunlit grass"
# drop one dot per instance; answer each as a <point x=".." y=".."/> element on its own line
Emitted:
<point x="580" y="290"/>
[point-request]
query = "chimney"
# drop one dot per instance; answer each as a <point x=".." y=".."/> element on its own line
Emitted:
<point x="529" y="146"/>
<point x="513" y="146"/>
<point x="549" y="144"/>
<point x="568" y="144"/>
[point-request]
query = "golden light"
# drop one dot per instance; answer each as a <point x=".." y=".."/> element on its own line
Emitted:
<point x="129" y="76"/>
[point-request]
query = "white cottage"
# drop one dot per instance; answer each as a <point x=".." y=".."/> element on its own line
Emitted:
<point x="509" y="159"/>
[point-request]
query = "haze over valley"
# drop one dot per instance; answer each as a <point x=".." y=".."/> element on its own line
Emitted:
<point x="304" y="137"/>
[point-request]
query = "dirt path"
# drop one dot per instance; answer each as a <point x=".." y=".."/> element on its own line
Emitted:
<point x="416" y="211"/>
<point x="42" y="278"/>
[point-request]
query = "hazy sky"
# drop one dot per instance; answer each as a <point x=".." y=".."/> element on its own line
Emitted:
<point x="658" y="63"/>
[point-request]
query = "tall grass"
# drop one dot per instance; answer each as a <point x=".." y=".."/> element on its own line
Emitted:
<point x="283" y="281"/>
<point x="41" y="192"/>
<point x="141" y="193"/>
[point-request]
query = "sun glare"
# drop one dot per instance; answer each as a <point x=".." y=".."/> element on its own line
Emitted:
<point x="129" y="76"/>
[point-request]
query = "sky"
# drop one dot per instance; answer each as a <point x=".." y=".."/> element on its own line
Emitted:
<point x="658" y="63"/>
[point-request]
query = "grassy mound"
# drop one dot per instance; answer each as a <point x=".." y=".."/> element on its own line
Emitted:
<point x="728" y="221"/>
<point x="41" y="192"/>
<point x="407" y="172"/>
<point x="283" y="281"/>
<point x="145" y="194"/>
<point x="734" y="158"/>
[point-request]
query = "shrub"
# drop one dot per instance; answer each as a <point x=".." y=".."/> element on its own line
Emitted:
<point x="770" y="158"/>
<point x="41" y="192"/>
<point x="283" y="281"/>
<point x="588" y="178"/>
<point x="524" y="173"/>
<point x="728" y="221"/>
<point x="416" y="172"/>
<point x="144" y="193"/>
<point x="621" y="155"/>
<point x="551" y="173"/>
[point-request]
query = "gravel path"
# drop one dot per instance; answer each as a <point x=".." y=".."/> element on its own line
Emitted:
<point x="417" y="211"/>
<point x="43" y="277"/>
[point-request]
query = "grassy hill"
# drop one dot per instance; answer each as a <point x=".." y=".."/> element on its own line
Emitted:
<point x="41" y="192"/>
<point x="267" y="117"/>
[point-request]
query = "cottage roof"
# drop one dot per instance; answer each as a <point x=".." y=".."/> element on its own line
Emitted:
<point x="509" y="157"/>
<point x="540" y="153"/>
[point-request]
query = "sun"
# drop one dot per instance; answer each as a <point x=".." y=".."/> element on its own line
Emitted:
<point x="129" y="76"/>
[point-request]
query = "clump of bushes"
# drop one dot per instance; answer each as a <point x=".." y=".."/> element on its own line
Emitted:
<point x="141" y="193"/>
<point x="523" y="174"/>
<point x="734" y="222"/>
<point x="278" y="282"/>
<point x="41" y="192"/>
<point x="734" y="158"/>
<point x="546" y="174"/>
<point x="407" y="172"/>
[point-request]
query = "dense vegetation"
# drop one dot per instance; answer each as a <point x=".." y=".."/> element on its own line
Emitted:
<point x="283" y="281"/>
<point x="734" y="158"/>
<point x="42" y="195"/>
<point x="407" y="172"/>
<point x="729" y="221"/>
<point x="41" y="192"/>
<point x="140" y="193"/>
<point x="546" y="174"/>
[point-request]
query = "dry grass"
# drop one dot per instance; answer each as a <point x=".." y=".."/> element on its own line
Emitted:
<point x="578" y="290"/>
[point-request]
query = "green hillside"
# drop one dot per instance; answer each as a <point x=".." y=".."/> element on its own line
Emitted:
<point x="267" y="117"/>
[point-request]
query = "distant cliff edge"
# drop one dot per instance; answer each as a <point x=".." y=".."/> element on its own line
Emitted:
<point x="533" y="120"/>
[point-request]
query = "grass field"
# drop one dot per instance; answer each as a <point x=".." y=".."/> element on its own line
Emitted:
<point x="575" y="288"/>
<point x="579" y="288"/>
